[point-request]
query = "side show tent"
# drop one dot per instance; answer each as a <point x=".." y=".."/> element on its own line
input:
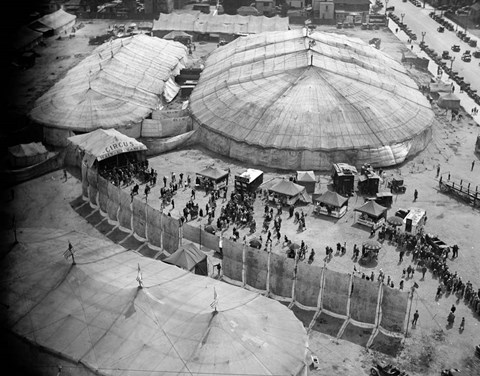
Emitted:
<point x="331" y="203"/>
<point x="190" y="258"/>
<point x="372" y="214"/>
<point x="24" y="155"/>
<point x="103" y="144"/>
<point x="54" y="23"/>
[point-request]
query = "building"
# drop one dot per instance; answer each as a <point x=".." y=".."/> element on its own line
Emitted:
<point x="265" y="7"/>
<point x="351" y="11"/>
<point x="323" y="9"/>
<point x="54" y="23"/>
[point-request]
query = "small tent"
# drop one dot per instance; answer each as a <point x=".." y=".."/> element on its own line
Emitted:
<point x="307" y="179"/>
<point x="24" y="155"/>
<point x="331" y="203"/>
<point x="288" y="192"/>
<point x="190" y="258"/>
<point x="102" y="144"/>
<point x="449" y="101"/>
<point x="373" y="214"/>
<point x="212" y="177"/>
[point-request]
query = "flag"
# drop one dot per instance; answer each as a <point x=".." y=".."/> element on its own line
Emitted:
<point x="215" y="299"/>
<point x="139" y="275"/>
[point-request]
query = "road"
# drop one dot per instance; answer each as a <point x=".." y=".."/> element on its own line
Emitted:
<point x="419" y="21"/>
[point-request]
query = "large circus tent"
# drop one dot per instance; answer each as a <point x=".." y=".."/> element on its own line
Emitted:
<point x="93" y="319"/>
<point x="119" y="84"/>
<point x="303" y="100"/>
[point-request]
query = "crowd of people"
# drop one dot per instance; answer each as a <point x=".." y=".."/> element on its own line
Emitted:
<point x="123" y="176"/>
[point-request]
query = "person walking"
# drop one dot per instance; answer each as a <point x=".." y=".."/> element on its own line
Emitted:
<point x="402" y="252"/>
<point x="462" y="324"/>
<point x="415" y="195"/>
<point x="173" y="204"/>
<point x="424" y="270"/>
<point x="415" y="318"/>
<point x="438" y="170"/>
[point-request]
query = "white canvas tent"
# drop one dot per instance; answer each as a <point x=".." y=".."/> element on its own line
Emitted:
<point x="312" y="100"/>
<point x="105" y="143"/>
<point x="55" y="22"/>
<point x="94" y="317"/>
<point x="117" y="86"/>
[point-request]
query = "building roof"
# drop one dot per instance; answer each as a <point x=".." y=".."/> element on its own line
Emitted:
<point x="317" y="92"/>
<point x="224" y="23"/>
<point x="94" y="313"/>
<point x="118" y="84"/>
<point x="54" y="20"/>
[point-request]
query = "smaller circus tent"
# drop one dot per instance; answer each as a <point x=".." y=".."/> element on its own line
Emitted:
<point x="54" y="23"/>
<point x="102" y="144"/>
<point x="449" y="101"/>
<point x="117" y="86"/>
<point x="190" y="258"/>
<point x="289" y="192"/>
<point x="24" y="155"/>
<point x="307" y="179"/>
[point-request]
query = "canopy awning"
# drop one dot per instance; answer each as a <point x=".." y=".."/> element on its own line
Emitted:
<point x="213" y="173"/>
<point x="105" y="143"/>
<point x="371" y="208"/>
<point x="286" y="188"/>
<point x="332" y="199"/>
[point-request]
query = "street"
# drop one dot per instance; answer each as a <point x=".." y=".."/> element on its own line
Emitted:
<point x="418" y="20"/>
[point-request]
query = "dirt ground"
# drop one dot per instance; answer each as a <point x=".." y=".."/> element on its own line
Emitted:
<point x="44" y="202"/>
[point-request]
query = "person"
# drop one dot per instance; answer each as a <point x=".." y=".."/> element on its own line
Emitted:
<point x="401" y="284"/>
<point x="312" y="255"/>
<point x="220" y="247"/>
<point x="402" y="252"/>
<point x="462" y="324"/>
<point x="415" y="318"/>
<point x="415" y="195"/>
<point x="453" y="309"/>
<point x="173" y="204"/>
<point x="438" y="170"/>
<point x="473" y="165"/>
<point x="65" y="174"/>
<point x="219" y="268"/>
<point x="424" y="270"/>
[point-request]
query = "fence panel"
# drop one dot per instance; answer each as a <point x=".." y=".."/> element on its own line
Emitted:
<point x="256" y="268"/>
<point x="281" y="275"/>
<point x="307" y="286"/>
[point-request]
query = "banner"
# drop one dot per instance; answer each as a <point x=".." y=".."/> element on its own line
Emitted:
<point x="363" y="301"/>
<point x="307" y="285"/>
<point x="256" y="268"/>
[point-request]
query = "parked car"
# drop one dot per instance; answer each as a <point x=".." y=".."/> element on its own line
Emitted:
<point x="455" y="48"/>
<point x="440" y="29"/>
<point x="445" y="55"/>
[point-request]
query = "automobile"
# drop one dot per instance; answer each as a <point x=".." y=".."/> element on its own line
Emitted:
<point x="445" y="55"/>
<point x="389" y="9"/>
<point x="473" y="43"/>
<point x="455" y="48"/>
<point x="476" y="54"/>
<point x="440" y="29"/>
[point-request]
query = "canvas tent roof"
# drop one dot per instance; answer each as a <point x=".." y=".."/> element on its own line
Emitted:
<point x="118" y="84"/>
<point x="224" y="23"/>
<point x="372" y="208"/>
<point x="332" y="198"/>
<point x="54" y="20"/>
<point x="213" y="173"/>
<point x="440" y="87"/>
<point x="103" y="321"/>
<point x="186" y="257"/>
<point x="309" y="93"/>
<point x="174" y="34"/>
<point x="287" y="188"/>
<point x="306" y="176"/>
<point x="105" y="143"/>
<point x="24" y="37"/>
<point x="27" y="150"/>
